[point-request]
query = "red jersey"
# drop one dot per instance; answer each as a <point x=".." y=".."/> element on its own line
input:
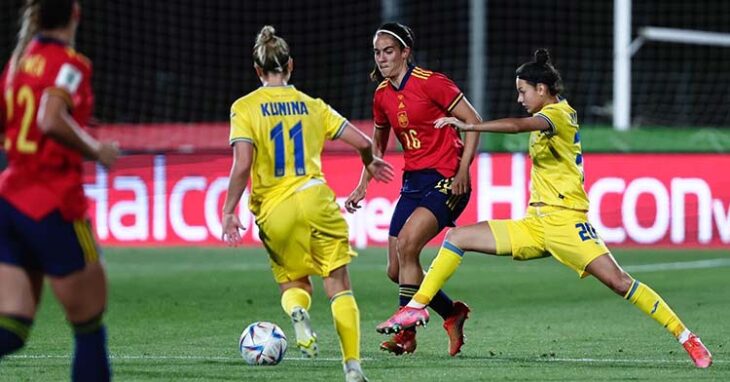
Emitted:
<point x="423" y="97"/>
<point x="42" y="174"/>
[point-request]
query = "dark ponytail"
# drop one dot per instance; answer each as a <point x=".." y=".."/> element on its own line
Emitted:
<point x="541" y="71"/>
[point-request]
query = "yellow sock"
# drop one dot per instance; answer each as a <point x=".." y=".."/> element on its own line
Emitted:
<point x="654" y="306"/>
<point x="294" y="297"/>
<point x="442" y="267"/>
<point x="346" y="317"/>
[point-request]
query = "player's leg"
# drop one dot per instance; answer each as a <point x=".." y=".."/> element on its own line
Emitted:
<point x="405" y="341"/>
<point x="331" y="252"/>
<point x="606" y="269"/>
<point x="476" y="237"/>
<point x="422" y="226"/>
<point x="346" y="317"/>
<point x="71" y="259"/>
<point x="83" y="295"/>
<point x="20" y="292"/>
<point x="20" y="282"/>
<point x="296" y="300"/>
<point x="286" y="237"/>
<point x="573" y="241"/>
<point x="523" y="239"/>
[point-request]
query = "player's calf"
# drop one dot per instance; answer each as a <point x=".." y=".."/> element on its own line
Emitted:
<point x="91" y="359"/>
<point x="14" y="332"/>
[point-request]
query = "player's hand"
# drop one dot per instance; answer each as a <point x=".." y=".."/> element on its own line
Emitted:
<point x="352" y="203"/>
<point x="232" y="228"/>
<point x="107" y="153"/>
<point x="462" y="183"/>
<point x="381" y="170"/>
<point x="445" y="121"/>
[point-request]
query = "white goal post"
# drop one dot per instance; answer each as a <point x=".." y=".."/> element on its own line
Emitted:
<point x="624" y="49"/>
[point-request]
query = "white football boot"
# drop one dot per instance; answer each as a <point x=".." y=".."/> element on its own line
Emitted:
<point x="306" y="338"/>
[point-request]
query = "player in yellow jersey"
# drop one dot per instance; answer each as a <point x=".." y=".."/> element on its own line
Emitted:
<point x="278" y="134"/>
<point x="556" y="223"/>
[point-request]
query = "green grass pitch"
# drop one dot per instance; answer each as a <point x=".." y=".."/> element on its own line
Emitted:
<point x="176" y="314"/>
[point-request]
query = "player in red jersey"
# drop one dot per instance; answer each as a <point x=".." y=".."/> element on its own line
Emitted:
<point x="436" y="184"/>
<point x="43" y="229"/>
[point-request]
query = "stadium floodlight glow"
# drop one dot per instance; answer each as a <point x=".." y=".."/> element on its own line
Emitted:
<point x="624" y="49"/>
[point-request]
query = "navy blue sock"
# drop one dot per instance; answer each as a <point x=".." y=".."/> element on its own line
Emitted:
<point x="91" y="361"/>
<point x="442" y="304"/>
<point x="405" y="293"/>
<point x="14" y="331"/>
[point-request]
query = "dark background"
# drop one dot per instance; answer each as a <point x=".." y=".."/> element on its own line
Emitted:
<point x="188" y="60"/>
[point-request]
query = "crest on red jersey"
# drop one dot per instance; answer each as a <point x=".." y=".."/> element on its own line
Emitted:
<point x="403" y="119"/>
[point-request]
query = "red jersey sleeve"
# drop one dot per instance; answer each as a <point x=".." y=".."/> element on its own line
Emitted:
<point x="443" y="91"/>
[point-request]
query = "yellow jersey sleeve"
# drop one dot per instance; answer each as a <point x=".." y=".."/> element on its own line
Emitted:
<point x="553" y="115"/>
<point x="334" y="123"/>
<point x="241" y="126"/>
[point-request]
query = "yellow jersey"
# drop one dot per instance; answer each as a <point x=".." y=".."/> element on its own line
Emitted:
<point x="557" y="159"/>
<point x="287" y="129"/>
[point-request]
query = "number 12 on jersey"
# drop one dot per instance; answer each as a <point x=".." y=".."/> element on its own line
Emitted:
<point x="295" y="135"/>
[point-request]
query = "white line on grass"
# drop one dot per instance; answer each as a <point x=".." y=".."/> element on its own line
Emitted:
<point x="322" y="359"/>
<point x="174" y="358"/>
<point x="681" y="265"/>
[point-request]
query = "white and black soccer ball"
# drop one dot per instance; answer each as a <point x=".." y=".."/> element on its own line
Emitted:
<point x="262" y="343"/>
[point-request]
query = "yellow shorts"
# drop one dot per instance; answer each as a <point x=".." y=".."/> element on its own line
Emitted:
<point x="306" y="235"/>
<point x="550" y="231"/>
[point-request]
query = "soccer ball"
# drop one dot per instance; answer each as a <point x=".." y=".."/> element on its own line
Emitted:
<point x="262" y="343"/>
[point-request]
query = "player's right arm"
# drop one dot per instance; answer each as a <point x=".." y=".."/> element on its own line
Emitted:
<point x="240" y="173"/>
<point x="55" y="121"/>
<point x="379" y="143"/>
<point x="375" y="166"/>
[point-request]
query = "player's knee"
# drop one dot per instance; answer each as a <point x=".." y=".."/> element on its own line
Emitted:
<point x="14" y="331"/>
<point x="407" y="248"/>
<point x="456" y="236"/>
<point x="453" y="236"/>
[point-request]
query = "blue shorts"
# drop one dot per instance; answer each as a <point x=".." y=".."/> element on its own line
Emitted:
<point x="55" y="246"/>
<point x="430" y="190"/>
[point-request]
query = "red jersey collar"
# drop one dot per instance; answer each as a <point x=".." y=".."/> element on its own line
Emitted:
<point x="405" y="79"/>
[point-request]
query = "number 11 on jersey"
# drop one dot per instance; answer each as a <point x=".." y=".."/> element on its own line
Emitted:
<point x="295" y="135"/>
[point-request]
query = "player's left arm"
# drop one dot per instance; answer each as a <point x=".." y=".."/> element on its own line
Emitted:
<point x="465" y="112"/>
<point x="240" y="172"/>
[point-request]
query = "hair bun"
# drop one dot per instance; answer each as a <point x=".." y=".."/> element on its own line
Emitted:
<point x="267" y="34"/>
<point x="542" y="56"/>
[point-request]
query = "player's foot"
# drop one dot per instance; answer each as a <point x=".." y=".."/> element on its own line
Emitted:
<point x="353" y="372"/>
<point x="401" y="343"/>
<point x="306" y="338"/>
<point x="698" y="352"/>
<point x="355" y="376"/>
<point x="404" y="318"/>
<point x="454" y="326"/>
